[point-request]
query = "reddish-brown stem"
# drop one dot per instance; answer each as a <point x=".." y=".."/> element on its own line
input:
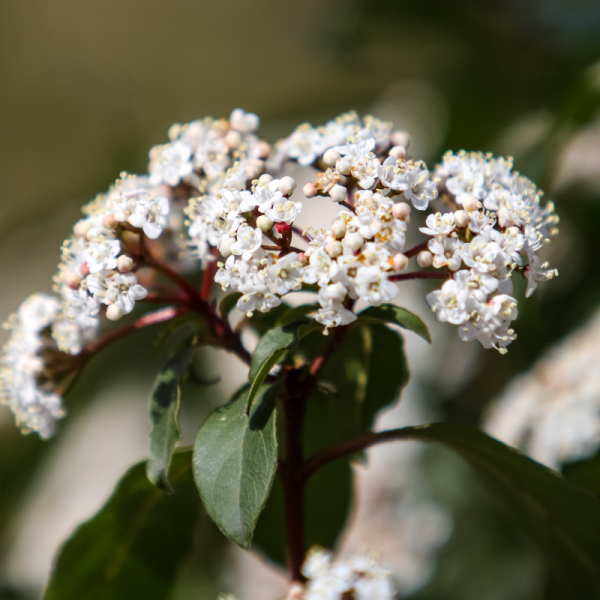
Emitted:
<point x="299" y="233"/>
<point x="315" y="462"/>
<point x="294" y="482"/>
<point x="207" y="280"/>
<point x="418" y="248"/>
<point x="421" y="275"/>
<point x="163" y="299"/>
<point x="292" y="471"/>
<point x="149" y="319"/>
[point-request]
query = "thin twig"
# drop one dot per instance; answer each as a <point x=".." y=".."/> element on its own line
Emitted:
<point x="421" y="275"/>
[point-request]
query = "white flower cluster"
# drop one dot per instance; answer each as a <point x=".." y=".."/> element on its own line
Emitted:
<point x="553" y="412"/>
<point x="351" y="260"/>
<point x="360" y="578"/>
<point x="96" y="269"/>
<point x="22" y="367"/>
<point x="199" y="155"/>
<point x="499" y="220"/>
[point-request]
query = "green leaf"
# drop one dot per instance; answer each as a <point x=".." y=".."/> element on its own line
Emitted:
<point x="365" y="374"/>
<point x="563" y="519"/>
<point x="395" y="315"/>
<point x="164" y="408"/>
<point x="328" y="494"/>
<point x="133" y="547"/>
<point x="235" y="458"/>
<point x="296" y="313"/>
<point x="270" y="350"/>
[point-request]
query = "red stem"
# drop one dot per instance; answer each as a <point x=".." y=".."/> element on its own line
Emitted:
<point x="418" y="248"/>
<point x="421" y="275"/>
<point x="153" y="318"/>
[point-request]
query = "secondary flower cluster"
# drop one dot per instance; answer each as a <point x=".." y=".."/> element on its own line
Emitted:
<point x="361" y="578"/>
<point x="553" y="412"/>
<point x="22" y="366"/>
<point x="498" y="218"/>
<point x="223" y="193"/>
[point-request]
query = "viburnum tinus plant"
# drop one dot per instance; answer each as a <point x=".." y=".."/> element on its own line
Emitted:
<point x="221" y="201"/>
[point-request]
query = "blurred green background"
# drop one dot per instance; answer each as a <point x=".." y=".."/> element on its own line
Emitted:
<point x="89" y="87"/>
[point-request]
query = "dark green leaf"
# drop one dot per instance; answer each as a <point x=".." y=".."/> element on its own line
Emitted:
<point x="366" y="374"/>
<point x="395" y="315"/>
<point x="133" y="547"/>
<point x="234" y="464"/>
<point x="563" y="519"/>
<point x="164" y="407"/>
<point x="264" y="322"/>
<point x="296" y="313"/>
<point x="270" y="350"/>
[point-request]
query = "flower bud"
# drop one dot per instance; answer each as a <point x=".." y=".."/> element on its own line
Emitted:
<point x="470" y="203"/>
<point x="354" y="241"/>
<point x="398" y="152"/>
<point x="225" y="246"/>
<point x="265" y="178"/>
<point x="254" y="169"/>
<point x="124" y="263"/>
<point x="84" y="269"/>
<point x="338" y="229"/>
<point x="287" y="185"/>
<point x="309" y="190"/>
<point x="401" y="138"/>
<point x="343" y="165"/>
<point x="282" y="228"/>
<point x="401" y="211"/>
<point x="400" y="262"/>
<point x="462" y="219"/>
<point x="331" y="157"/>
<point x="113" y="313"/>
<point x="334" y="249"/>
<point x="109" y="222"/>
<point x="82" y="228"/>
<point x="264" y="149"/>
<point x="233" y="139"/>
<point x="338" y="193"/>
<point x="264" y="223"/>
<point x="424" y="258"/>
<point x="72" y="280"/>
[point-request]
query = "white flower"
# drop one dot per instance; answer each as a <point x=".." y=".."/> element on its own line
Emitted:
<point x="439" y="225"/>
<point x="373" y="286"/>
<point x="537" y="271"/>
<point x="248" y="241"/>
<point x="321" y="268"/>
<point x="305" y="144"/>
<point x="68" y="336"/>
<point x="123" y="290"/>
<point x="446" y="252"/>
<point x="365" y="169"/>
<point x="261" y="301"/>
<point x="35" y="409"/>
<point x="102" y="255"/>
<point x="37" y="312"/>
<point x="150" y="214"/>
<point x="480" y="254"/>
<point x="82" y="308"/>
<point x="170" y="163"/>
<point x="243" y="121"/>
<point x="282" y="211"/>
<point x="450" y="302"/>
<point x="286" y="273"/>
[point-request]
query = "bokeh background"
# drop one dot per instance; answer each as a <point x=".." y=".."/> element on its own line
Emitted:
<point x="89" y="87"/>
